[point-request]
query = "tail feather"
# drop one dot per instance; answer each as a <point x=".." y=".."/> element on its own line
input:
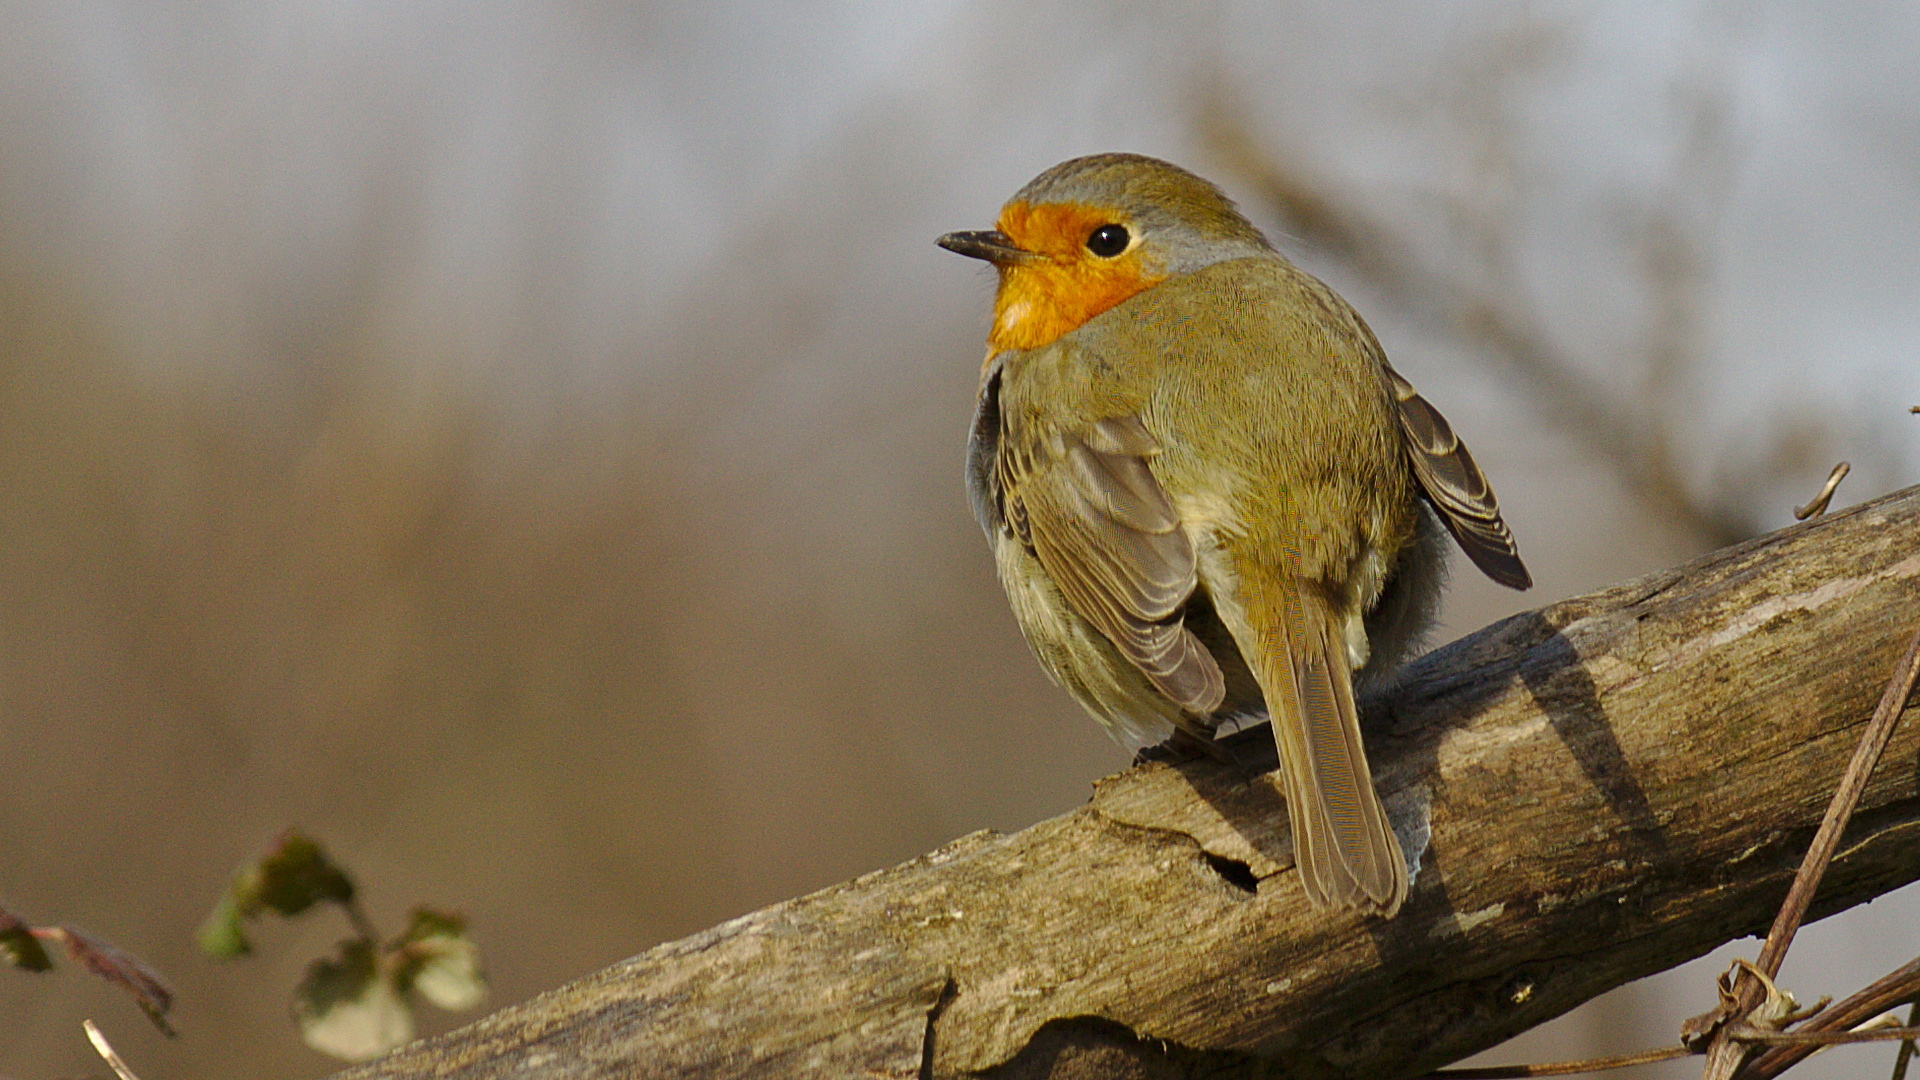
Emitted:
<point x="1346" y="853"/>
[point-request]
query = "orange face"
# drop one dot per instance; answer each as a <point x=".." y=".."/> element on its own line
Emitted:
<point x="1042" y="298"/>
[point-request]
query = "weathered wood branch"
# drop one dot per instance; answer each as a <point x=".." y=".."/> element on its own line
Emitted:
<point x="1597" y="790"/>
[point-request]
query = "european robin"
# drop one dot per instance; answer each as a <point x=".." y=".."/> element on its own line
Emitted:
<point x="1203" y="485"/>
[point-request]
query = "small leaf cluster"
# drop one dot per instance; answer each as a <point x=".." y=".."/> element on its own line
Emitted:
<point x="357" y="1003"/>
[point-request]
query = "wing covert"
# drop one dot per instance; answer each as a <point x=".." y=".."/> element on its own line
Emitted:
<point x="1092" y="511"/>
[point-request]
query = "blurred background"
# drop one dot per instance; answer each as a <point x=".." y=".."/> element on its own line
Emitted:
<point x="520" y="443"/>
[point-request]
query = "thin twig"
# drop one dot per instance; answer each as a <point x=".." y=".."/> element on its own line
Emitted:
<point x="361" y="924"/>
<point x="1558" y="1068"/>
<point x="1816" y="1039"/>
<point x="1723" y="1056"/>
<point x="105" y="1048"/>
<point x="1897" y="986"/>
<point x="1819" y="504"/>
<point x="1906" y="1048"/>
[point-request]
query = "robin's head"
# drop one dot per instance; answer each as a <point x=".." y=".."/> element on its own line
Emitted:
<point x="1091" y="232"/>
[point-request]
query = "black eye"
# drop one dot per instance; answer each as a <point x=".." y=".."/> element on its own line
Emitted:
<point x="1108" y="241"/>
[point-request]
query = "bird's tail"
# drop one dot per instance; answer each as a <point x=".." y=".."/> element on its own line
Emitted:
<point x="1345" y="851"/>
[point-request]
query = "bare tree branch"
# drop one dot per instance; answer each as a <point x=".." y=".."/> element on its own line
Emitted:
<point x="1596" y="791"/>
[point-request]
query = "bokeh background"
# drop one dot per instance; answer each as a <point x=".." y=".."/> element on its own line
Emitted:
<point x="519" y="443"/>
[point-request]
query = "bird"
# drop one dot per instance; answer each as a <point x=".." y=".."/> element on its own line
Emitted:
<point x="1208" y="495"/>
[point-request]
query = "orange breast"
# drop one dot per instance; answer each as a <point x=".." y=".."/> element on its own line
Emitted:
<point x="1044" y="298"/>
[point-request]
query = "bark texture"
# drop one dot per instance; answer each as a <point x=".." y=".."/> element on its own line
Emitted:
<point x="1594" y="791"/>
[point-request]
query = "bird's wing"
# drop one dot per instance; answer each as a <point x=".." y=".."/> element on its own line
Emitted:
<point x="1089" y="507"/>
<point x="1456" y="487"/>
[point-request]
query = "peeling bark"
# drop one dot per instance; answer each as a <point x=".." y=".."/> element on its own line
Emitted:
<point x="1595" y="791"/>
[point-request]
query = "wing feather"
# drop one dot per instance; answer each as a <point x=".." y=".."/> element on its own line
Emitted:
<point x="1088" y="505"/>
<point x="1456" y="487"/>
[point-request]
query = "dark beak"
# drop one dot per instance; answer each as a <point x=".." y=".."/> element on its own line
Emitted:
<point x="996" y="247"/>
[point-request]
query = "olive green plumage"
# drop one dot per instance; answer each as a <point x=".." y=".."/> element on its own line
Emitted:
<point x="1204" y="500"/>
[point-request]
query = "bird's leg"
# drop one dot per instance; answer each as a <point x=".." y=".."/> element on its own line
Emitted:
<point x="1185" y="745"/>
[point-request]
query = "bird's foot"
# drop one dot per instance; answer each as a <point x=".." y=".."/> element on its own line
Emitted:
<point x="1184" y="746"/>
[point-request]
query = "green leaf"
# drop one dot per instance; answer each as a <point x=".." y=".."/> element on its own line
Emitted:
<point x="219" y="936"/>
<point x="19" y="946"/>
<point x="347" y="1009"/>
<point x="290" y="878"/>
<point x="294" y="876"/>
<point x="426" y="922"/>
<point x="436" y="958"/>
<point x="450" y="976"/>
